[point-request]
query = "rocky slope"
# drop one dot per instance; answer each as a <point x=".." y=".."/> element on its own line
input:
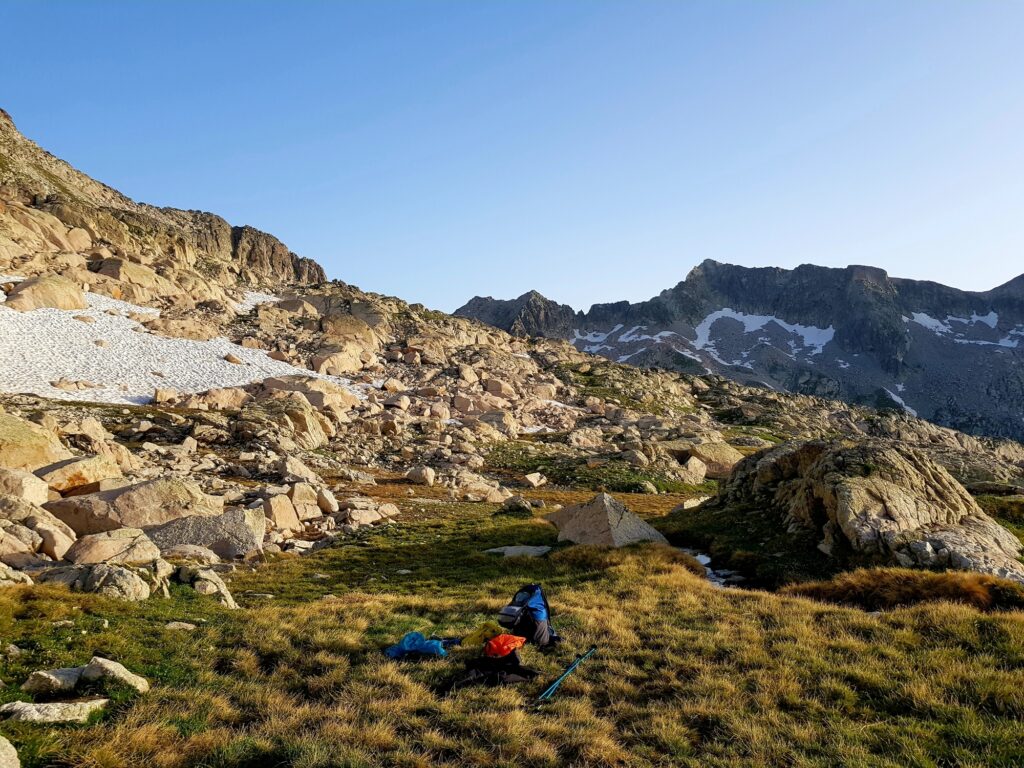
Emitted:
<point x="953" y="357"/>
<point x="194" y="251"/>
<point x="162" y="421"/>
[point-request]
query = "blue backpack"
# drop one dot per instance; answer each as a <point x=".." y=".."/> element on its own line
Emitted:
<point x="528" y="601"/>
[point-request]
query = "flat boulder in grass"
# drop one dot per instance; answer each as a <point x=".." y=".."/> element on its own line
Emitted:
<point x="52" y="712"/>
<point x="115" y="581"/>
<point x="46" y="292"/>
<point x="602" y="521"/>
<point x="141" y="505"/>
<point x="100" y="669"/>
<point x="69" y="474"/>
<point x="28" y="446"/>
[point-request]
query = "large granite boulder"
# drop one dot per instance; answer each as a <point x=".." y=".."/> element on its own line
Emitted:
<point x="69" y="474"/>
<point x="150" y="503"/>
<point x="877" y="498"/>
<point x="104" y="579"/>
<point x="23" y="485"/>
<point x="47" y="291"/>
<point x="603" y="521"/>
<point x="236" y="533"/>
<point x="52" y="537"/>
<point x="124" y="545"/>
<point x="28" y="446"/>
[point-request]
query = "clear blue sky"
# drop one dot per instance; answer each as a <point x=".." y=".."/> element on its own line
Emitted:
<point x="592" y="150"/>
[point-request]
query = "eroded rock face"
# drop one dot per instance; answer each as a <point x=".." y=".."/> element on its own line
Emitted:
<point x="880" y="499"/>
<point x="603" y="521"/>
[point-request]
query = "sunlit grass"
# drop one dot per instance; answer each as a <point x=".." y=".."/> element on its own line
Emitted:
<point x="687" y="674"/>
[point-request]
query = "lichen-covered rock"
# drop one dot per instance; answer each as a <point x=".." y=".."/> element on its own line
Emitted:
<point x="876" y="498"/>
<point x="124" y="545"/>
<point x="8" y="755"/>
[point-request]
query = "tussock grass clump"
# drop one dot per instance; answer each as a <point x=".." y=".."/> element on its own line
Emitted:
<point x="877" y="589"/>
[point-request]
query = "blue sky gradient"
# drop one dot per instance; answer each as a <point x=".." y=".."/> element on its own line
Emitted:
<point x="592" y="150"/>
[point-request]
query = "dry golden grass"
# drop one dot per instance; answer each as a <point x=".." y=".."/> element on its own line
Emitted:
<point x="687" y="674"/>
<point x="882" y="589"/>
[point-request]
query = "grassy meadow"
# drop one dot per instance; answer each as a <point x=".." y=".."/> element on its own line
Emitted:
<point x="687" y="674"/>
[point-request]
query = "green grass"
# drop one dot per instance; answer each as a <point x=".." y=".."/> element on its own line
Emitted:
<point x="1007" y="510"/>
<point x="563" y="468"/>
<point x="687" y="674"/>
<point x="751" y="541"/>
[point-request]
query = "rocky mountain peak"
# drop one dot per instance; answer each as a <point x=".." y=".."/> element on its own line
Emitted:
<point x="855" y="332"/>
<point x="54" y="197"/>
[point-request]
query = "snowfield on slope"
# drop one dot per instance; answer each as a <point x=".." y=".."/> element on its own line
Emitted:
<point x="45" y="345"/>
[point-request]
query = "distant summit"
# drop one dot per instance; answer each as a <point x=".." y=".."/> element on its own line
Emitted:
<point x="530" y="315"/>
<point x="954" y="357"/>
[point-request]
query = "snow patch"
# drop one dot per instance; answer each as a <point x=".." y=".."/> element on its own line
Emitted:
<point x="45" y="345"/>
<point x="931" y="323"/>
<point x="814" y="339"/>
<point x="594" y="336"/>
<point x="253" y="299"/>
<point x="899" y="401"/>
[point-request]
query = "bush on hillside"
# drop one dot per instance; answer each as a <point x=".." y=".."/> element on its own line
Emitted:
<point x="876" y="589"/>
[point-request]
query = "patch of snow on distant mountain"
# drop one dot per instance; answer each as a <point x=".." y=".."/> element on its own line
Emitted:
<point x="899" y="401"/>
<point x="814" y="339"/>
<point x="931" y="323"/>
<point x="991" y="319"/>
<point x="595" y="336"/>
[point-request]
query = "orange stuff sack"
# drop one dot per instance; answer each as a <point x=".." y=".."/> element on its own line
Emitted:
<point x="501" y="646"/>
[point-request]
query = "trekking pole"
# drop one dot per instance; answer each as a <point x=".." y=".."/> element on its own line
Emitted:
<point x="549" y="692"/>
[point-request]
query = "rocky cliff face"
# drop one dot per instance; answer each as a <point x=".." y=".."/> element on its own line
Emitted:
<point x="954" y="357"/>
<point x="166" y="239"/>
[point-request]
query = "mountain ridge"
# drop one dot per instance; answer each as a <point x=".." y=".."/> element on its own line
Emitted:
<point x="891" y="340"/>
